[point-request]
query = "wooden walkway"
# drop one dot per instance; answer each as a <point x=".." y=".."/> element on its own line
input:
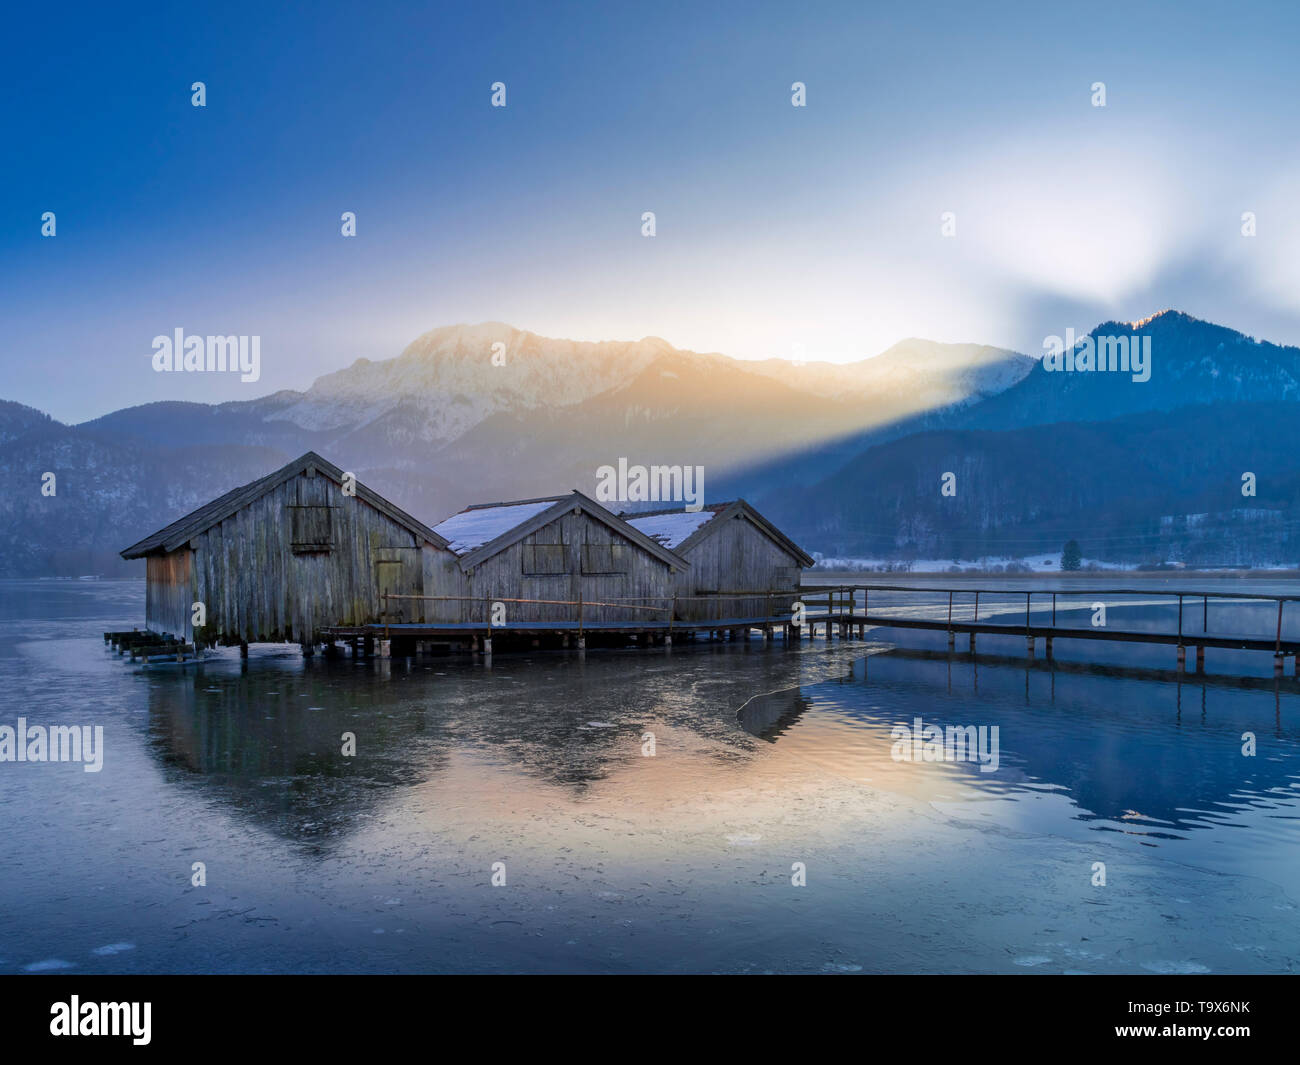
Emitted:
<point x="660" y="627"/>
<point x="841" y="613"/>
<point x="846" y="611"/>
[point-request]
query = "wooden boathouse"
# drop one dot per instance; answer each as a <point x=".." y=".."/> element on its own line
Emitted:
<point x="308" y="555"/>
<point x="561" y="570"/>
<point x="287" y="556"/>
<point x="738" y="560"/>
<point x="538" y="557"/>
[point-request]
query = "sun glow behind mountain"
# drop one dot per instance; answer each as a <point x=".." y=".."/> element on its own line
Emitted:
<point x="808" y="233"/>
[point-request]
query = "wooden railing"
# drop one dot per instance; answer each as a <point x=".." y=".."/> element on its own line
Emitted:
<point x="845" y="596"/>
<point x="671" y="603"/>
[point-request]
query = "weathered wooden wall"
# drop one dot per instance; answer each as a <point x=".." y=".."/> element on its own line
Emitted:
<point x="168" y="592"/>
<point x="299" y="558"/>
<point x="443" y="576"/>
<point x="738" y="557"/>
<point x="563" y="545"/>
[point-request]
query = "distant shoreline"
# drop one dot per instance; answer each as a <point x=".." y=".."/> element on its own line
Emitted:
<point x="1116" y="575"/>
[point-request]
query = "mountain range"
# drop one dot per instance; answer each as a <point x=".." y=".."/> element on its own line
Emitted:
<point x="848" y="458"/>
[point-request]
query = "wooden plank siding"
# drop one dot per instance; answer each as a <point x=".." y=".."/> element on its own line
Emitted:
<point x="737" y="557"/>
<point x="287" y="556"/>
<point x="615" y="568"/>
<point x="169" y="593"/>
<point x="299" y="558"/>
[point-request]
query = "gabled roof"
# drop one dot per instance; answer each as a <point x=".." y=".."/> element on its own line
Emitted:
<point x="673" y="527"/>
<point x="198" y="521"/>
<point x="484" y="522"/>
<point x="479" y="532"/>
<point x="680" y="530"/>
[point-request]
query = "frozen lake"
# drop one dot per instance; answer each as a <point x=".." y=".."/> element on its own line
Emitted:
<point x="649" y="809"/>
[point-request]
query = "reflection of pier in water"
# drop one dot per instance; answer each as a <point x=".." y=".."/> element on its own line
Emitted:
<point x="1127" y="745"/>
<point x="771" y="715"/>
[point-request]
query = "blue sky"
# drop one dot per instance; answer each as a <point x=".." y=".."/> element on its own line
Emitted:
<point x="777" y="226"/>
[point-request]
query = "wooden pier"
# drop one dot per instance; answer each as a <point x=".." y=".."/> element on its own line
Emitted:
<point x="846" y="611"/>
<point x="711" y="616"/>
<point x="145" y="646"/>
<point x="838" y="610"/>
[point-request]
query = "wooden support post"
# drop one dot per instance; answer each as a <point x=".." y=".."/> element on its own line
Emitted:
<point x="1200" y="658"/>
<point x="1029" y="646"/>
<point x="972" y="643"/>
<point x="1182" y="658"/>
<point x="1048" y="647"/>
<point x="1278" y="665"/>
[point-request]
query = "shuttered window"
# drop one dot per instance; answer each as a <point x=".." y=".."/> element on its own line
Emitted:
<point x="785" y="577"/>
<point x="312" y="531"/>
<point x="543" y="560"/>
<point x="604" y="558"/>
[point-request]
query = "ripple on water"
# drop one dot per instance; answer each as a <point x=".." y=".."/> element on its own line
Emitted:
<point x="49" y="965"/>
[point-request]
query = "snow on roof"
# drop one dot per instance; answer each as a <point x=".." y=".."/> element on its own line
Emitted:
<point x="477" y="526"/>
<point x="670" y="528"/>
